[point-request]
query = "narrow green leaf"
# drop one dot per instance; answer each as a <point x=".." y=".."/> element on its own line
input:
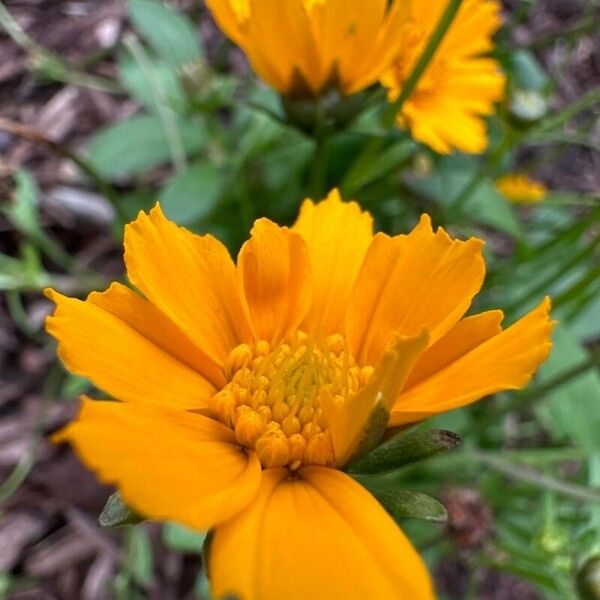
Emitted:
<point x="140" y="560"/>
<point x="403" y="504"/>
<point x="404" y="449"/>
<point x="170" y="33"/>
<point x="23" y="212"/>
<point x="389" y="159"/>
<point x="117" y="514"/>
<point x="485" y="203"/>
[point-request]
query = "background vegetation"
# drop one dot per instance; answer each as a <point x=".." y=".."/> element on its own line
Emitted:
<point x="106" y="108"/>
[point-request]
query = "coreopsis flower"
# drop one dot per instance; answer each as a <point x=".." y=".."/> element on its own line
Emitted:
<point x="303" y="47"/>
<point x="243" y="391"/>
<point x="459" y="86"/>
<point x="521" y="188"/>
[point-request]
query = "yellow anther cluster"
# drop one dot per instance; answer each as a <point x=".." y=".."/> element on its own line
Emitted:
<point x="271" y="400"/>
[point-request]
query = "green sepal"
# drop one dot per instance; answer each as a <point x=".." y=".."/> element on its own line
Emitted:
<point x="588" y="579"/>
<point x="403" y="504"/>
<point x="205" y="553"/>
<point x="372" y="433"/>
<point x="117" y="514"/>
<point x="405" y="448"/>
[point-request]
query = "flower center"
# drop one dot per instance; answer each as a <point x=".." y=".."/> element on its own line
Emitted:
<point x="272" y="398"/>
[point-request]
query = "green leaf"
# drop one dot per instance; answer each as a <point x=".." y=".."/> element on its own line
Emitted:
<point x="527" y="71"/>
<point x="182" y="539"/>
<point x="131" y="146"/>
<point x="192" y="194"/>
<point x="405" y="448"/>
<point x="485" y="206"/>
<point x="117" y="514"/>
<point x="402" y="504"/>
<point x="170" y="33"/>
<point x="571" y="409"/>
<point x="137" y="81"/>
<point x="490" y="208"/>
<point x="586" y="325"/>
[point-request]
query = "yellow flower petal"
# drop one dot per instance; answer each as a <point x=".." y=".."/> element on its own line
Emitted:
<point x="320" y="536"/>
<point x="335" y="256"/>
<point x="230" y="16"/>
<point x="129" y="349"/>
<point x="344" y="33"/>
<point x="303" y="47"/>
<point x="459" y="87"/>
<point x="190" y="278"/>
<point x="462" y="338"/>
<point x="168" y="464"/>
<point x="384" y="48"/>
<point x="359" y="417"/>
<point x="279" y="42"/>
<point x="517" y="187"/>
<point x="274" y="272"/>
<point x="505" y="361"/>
<point x="407" y="283"/>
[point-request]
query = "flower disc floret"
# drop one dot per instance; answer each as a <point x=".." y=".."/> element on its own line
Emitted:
<point x="272" y="399"/>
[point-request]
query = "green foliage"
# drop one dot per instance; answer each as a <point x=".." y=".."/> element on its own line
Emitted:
<point x="402" y="504"/>
<point x="179" y="197"/>
<point x="132" y="146"/>
<point x="171" y="34"/>
<point x="219" y="150"/>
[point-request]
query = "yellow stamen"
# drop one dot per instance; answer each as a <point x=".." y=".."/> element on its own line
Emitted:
<point x="271" y="400"/>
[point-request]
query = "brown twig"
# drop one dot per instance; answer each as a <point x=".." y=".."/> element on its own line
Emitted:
<point x="37" y="137"/>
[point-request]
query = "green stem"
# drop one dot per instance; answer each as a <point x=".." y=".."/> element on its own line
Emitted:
<point x="588" y="100"/>
<point x="38" y="138"/>
<point x="49" y="63"/>
<point x="548" y="386"/>
<point x="318" y="176"/>
<point x="16" y="32"/>
<point x="433" y="44"/>
<point x="534" y="394"/>
<point x="570" y="233"/>
<point x="534" y="477"/>
<point x="165" y="112"/>
<point x="575" y="291"/>
<point x="371" y="149"/>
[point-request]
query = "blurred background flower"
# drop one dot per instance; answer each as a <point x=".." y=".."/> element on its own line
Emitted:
<point x="461" y="85"/>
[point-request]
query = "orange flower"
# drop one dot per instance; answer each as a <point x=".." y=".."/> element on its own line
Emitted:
<point x="460" y="86"/>
<point x="520" y="188"/>
<point x="245" y="390"/>
<point x="302" y="47"/>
